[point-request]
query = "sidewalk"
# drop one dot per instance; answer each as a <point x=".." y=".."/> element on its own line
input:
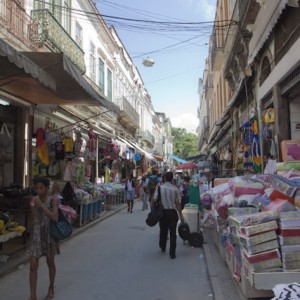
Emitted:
<point x="17" y="256"/>
<point x="222" y="283"/>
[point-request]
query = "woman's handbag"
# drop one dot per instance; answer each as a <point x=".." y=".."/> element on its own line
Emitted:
<point x="61" y="229"/>
<point x="156" y="214"/>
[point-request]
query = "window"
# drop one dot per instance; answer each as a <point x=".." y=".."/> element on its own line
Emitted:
<point x="109" y="84"/>
<point x="101" y="75"/>
<point x="92" y="62"/>
<point x="57" y="10"/>
<point x="78" y="34"/>
<point x="265" y="69"/>
<point x="66" y="16"/>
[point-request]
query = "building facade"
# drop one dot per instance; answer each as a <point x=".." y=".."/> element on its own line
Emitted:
<point x="253" y="63"/>
<point x="63" y="67"/>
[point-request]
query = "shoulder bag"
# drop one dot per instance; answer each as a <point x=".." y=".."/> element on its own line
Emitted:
<point x="156" y="214"/>
<point x="61" y="229"/>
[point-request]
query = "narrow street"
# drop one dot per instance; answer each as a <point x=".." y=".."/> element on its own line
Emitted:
<point x="118" y="258"/>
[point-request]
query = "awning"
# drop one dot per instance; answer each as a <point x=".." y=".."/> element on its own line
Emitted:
<point x="266" y="19"/>
<point x="177" y="158"/>
<point x="45" y="78"/>
<point x="18" y="71"/>
<point x="135" y="146"/>
<point x="196" y="157"/>
<point x="70" y="83"/>
<point x="158" y="157"/>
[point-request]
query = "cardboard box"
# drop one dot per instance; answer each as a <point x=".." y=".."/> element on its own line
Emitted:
<point x="291" y="256"/>
<point x="258" y="239"/>
<point x="260" y="228"/>
<point x="262" y="256"/>
<point x="263" y="265"/>
<point x="260" y="248"/>
<point x="289" y="240"/>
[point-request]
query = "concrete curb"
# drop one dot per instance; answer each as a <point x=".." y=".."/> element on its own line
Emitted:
<point x="213" y="275"/>
<point x="19" y="258"/>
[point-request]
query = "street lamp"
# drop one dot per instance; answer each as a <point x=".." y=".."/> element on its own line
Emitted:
<point x="148" y="62"/>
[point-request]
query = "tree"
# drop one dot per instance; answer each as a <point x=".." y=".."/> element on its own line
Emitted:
<point x="184" y="144"/>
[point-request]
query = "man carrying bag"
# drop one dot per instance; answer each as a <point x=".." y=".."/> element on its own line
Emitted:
<point x="170" y="200"/>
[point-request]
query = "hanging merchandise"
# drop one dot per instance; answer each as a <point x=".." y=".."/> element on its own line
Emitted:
<point x="78" y="169"/>
<point x="53" y="170"/>
<point x="69" y="146"/>
<point x="5" y="136"/>
<point x="59" y="149"/>
<point x="87" y="172"/>
<point x="269" y="115"/>
<point x="92" y="144"/>
<point x="256" y="154"/>
<point x="41" y="147"/>
<point x="107" y="175"/>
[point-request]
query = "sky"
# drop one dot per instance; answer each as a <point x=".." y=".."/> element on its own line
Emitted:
<point x="178" y="49"/>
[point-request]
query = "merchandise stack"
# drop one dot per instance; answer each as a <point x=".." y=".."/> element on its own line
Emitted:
<point x="258" y="240"/>
<point x="289" y="238"/>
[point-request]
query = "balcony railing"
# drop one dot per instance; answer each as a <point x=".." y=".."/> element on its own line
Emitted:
<point x="128" y="110"/>
<point x="52" y="33"/>
<point x="209" y="86"/>
<point x="15" y="20"/>
<point x="217" y="48"/>
<point x="148" y="137"/>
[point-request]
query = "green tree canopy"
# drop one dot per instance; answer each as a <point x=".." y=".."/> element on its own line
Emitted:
<point x="185" y="144"/>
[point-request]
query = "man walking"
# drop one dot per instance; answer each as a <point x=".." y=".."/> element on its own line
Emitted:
<point x="170" y="200"/>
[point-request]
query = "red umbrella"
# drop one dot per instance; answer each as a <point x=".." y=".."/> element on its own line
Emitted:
<point x="187" y="165"/>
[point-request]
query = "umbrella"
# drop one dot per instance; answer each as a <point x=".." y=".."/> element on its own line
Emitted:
<point x="187" y="165"/>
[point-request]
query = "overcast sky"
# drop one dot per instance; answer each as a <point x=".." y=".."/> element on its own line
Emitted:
<point x="178" y="49"/>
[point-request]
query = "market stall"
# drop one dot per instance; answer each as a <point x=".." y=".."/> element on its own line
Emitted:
<point x="257" y="229"/>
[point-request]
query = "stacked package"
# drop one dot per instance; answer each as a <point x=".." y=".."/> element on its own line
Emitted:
<point x="258" y="239"/>
<point x="289" y="238"/>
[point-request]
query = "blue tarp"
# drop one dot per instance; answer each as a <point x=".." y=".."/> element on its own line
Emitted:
<point x="177" y="158"/>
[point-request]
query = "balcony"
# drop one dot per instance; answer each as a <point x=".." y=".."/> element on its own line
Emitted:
<point x="148" y="137"/>
<point x="55" y="36"/>
<point x="209" y="86"/>
<point x="128" y="116"/>
<point x="216" y="51"/>
<point x="17" y="23"/>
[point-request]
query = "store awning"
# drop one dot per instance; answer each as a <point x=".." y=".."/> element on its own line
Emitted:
<point x="266" y="19"/>
<point x="158" y="157"/>
<point x="70" y="82"/>
<point x="45" y="78"/>
<point x="135" y="146"/>
<point x="177" y="158"/>
<point x="196" y="157"/>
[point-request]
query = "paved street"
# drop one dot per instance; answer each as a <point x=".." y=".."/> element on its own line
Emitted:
<point x="118" y="258"/>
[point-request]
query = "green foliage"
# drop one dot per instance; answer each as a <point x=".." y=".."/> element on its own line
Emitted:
<point x="184" y="144"/>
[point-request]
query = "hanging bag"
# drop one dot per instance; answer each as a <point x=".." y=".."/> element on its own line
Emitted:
<point x="61" y="229"/>
<point x="156" y="214"/>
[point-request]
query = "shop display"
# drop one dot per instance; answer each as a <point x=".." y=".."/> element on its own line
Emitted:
<point x="257" y="222"/>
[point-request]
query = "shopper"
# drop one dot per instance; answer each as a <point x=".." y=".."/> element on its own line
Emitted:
<point x="170" y="200"/>
<point x="185" y="197"/>
<point x="130" y="190"/>
<point x="43" y="209"/>
<point x="144" y="192"/>
<point x="153" y="181"/>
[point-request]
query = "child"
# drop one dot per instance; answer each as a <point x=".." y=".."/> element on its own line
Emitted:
<point x="43" y="208"/>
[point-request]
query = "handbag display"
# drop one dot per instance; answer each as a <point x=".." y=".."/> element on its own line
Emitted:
<point x="156" y="214"/>
<point x="61" y="229"/>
